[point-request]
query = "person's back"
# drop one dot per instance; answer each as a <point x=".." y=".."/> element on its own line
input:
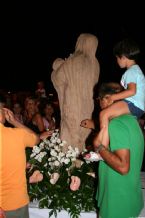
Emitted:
<point x="13" y="166"/>
<point x="135" y="75"/>
<point x="13" y="186"/>
<point x="121" y="195"/>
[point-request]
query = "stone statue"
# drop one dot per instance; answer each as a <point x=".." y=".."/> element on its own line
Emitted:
<point x="74" y="79"/>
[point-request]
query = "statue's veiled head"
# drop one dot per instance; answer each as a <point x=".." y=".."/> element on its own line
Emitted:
<point x="87" y="44"/>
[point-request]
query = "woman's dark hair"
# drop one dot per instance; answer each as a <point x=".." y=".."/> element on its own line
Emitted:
<point x="42" y="105"/>
<point x="128" y="48"/>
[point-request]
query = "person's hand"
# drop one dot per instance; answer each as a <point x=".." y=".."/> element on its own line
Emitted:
<point x="28" y="165"/>
<point x="87" y="123"/>
<point x="46" y="134"/>
<point x="9" y="116"/>
<point x="92" y="156"/>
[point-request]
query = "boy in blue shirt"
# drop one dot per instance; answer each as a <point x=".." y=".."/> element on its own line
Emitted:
<point x="132" y="98"/>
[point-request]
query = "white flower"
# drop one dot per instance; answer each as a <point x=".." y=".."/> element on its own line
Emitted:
<point x="54" y="178"/>
<point x="53" y="153"/>
<point x="61" y="154"/>
<point x="57" y="148"/>
<point x="42" y="154"/>
<point x="91" y="174"/>
<point x="62" y="160"/>
<point x="56" y="163"/>
<point x="66" y="161"/>
<point x="58" y="141"/>
<point x="50" y="164"/>
<point x="51" y="145"/>
<point x="41" y="145"/>
<point x="84" y="151"/>
<point x="73" y="159"/>
<point x="68" y="155"/>
<point x="38" y="158"/>
<point x="87" y="161"/>
<point x="36" y="149"/>
<point x="49" y="173"/>
<point x="46" y="141"/>
<point x="32" y="155"/>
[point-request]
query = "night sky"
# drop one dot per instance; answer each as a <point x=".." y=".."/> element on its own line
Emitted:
<point x="32" y="38"/>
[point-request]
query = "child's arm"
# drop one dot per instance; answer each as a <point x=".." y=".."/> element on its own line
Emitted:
<point x="130" y="91"/>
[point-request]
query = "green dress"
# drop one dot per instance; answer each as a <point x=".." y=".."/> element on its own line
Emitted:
<point x="120" y="196"/>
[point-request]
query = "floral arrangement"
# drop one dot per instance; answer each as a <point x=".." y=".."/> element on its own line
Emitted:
<point x="61" y="180"/>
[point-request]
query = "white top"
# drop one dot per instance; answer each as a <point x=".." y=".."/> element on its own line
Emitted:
<point x="135" y="75"/>
<point x="46" y="122"/>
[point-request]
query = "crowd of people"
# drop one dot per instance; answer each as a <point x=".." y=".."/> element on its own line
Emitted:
<point x="39" y="113"/>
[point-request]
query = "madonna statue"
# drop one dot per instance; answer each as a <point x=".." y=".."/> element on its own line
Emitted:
<point x="74" y="79"/>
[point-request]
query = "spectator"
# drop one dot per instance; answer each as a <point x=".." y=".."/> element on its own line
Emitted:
<point x="119" y="192"/>
<point x="13" y="195"/>
<point x="40" y="92"/>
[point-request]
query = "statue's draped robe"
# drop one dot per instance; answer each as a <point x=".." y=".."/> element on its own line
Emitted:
<point x="74" y="80"/>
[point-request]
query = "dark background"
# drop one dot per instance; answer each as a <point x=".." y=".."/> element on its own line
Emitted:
<point x="32" y="36"/>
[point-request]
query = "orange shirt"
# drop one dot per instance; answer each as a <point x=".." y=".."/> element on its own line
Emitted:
<point x="13" y="186"/>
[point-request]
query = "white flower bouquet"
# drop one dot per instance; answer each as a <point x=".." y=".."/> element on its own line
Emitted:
<point x="55" y="181"/>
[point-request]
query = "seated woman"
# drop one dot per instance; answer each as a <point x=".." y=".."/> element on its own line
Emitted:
<point x="33" y="118"/>
<point x="47" y="111"/>
<point x="40" y="91"/>
<point x="17" y="110"/>
<point x="34" y="121"/>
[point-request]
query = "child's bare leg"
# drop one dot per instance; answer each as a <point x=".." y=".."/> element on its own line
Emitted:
<point x="114" y="110"/>
<point x="105" y="116"/>
<point x="103" y="135"/>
